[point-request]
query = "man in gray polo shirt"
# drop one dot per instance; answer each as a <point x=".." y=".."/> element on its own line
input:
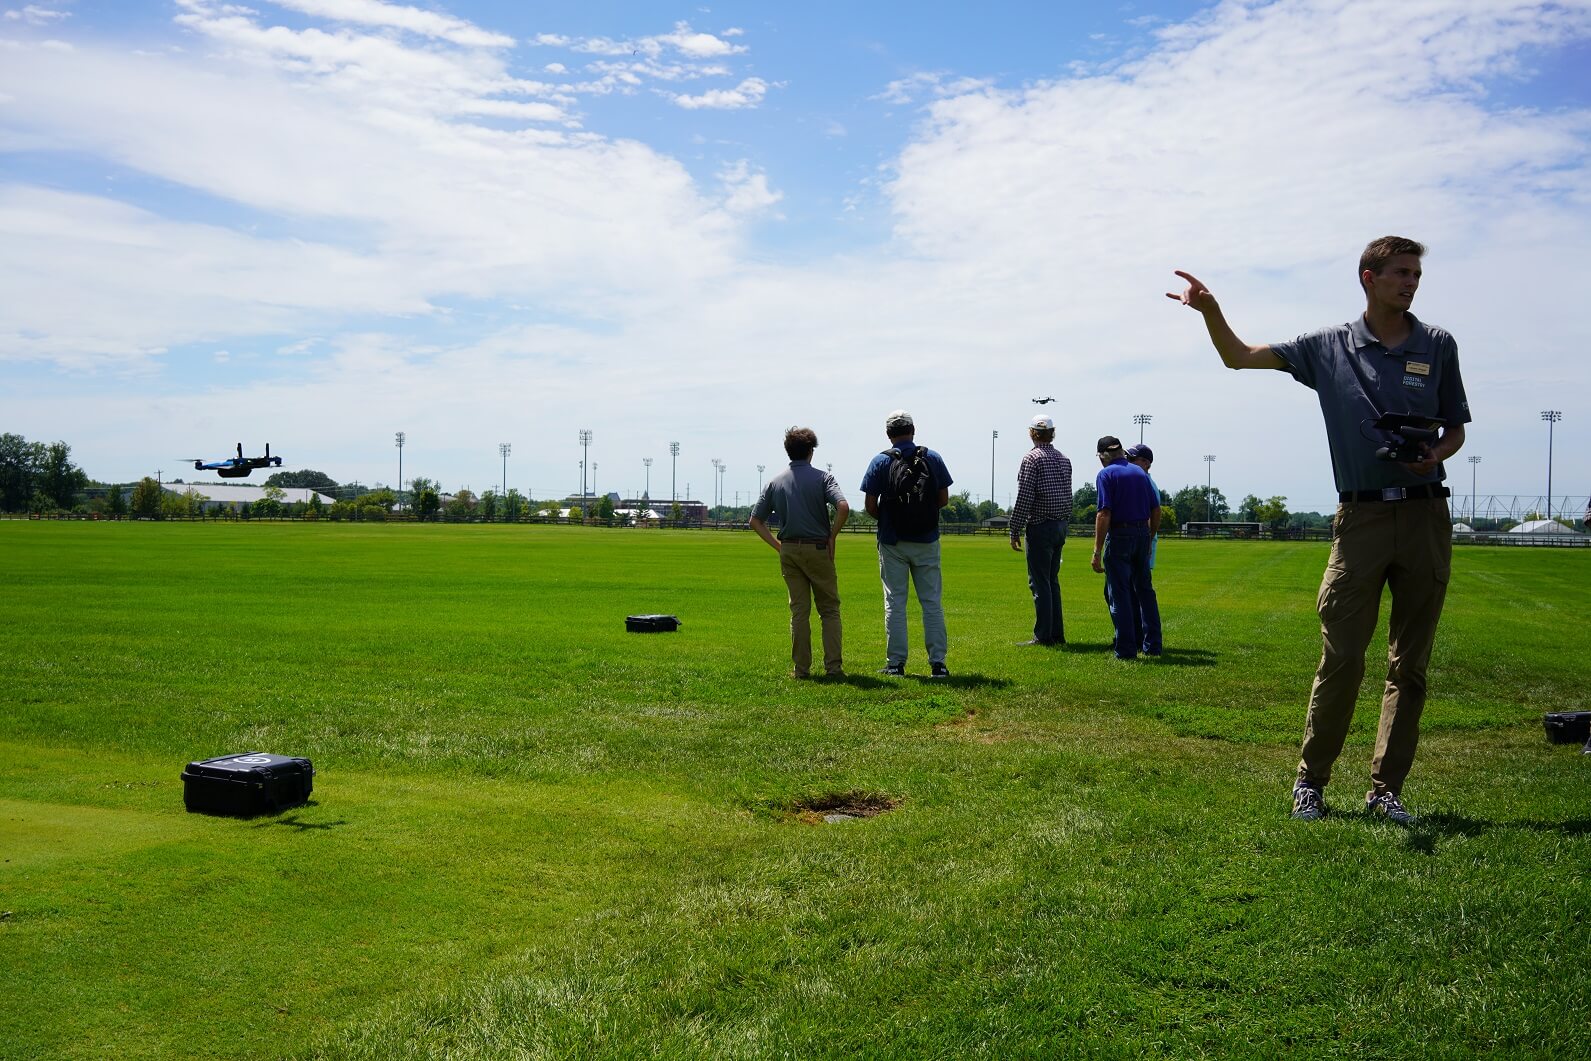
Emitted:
<point x="801" y="496"/>
<point x="1392" y="526"/>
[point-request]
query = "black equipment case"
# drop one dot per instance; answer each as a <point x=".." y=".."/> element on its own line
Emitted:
<point x="242" y="786"/>
<point x="1568" y="727"/>
<point x="651" y="624"/>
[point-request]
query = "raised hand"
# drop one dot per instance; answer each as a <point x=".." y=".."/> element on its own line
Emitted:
<point x="1196" y="295"/>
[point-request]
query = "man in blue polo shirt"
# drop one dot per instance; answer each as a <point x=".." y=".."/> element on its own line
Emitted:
<point x="1392" y="526"/>
<point x="906" y="486"/>
<point x="1128" y="520"/>
<point x="1144" y="457"/>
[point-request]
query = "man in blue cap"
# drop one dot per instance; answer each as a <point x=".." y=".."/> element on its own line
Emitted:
<point x="1144" y="457"/>
<point x="1128" y="520"/>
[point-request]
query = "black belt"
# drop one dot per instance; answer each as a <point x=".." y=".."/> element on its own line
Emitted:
<point x="1397" y="493"/>
<point x="805" y="541"/>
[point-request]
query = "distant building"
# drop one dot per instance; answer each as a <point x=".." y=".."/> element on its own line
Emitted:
<point x="1545" y="528"/>
<point x="232" y="496"/>
<point x="637" y="507"/>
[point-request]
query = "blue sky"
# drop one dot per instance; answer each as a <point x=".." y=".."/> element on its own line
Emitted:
<point x="318" y="222"/>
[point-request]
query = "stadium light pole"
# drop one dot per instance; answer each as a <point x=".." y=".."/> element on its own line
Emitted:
<point x="593" y="481"/>
<point x="648" y="492"/>
<point x="400" y="438"/>
<point x="505" y="448"/>
<point x="718" y="466"/>
<point x="1141" y="419"/>
<point x="993" y="437"/>
<point x="585" y="455"/>
<point x="1473" y="460"/>
<point x="760" y="468"/>
<point x="1552" y="416"/>
<point x="1209" y="465"/>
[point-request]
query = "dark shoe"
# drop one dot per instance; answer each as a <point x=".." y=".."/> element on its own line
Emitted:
<point x="1033" y="641"/>
<point x="834" y="675"/>
<point x="1388" y="806"/>
<point x="894" y="670"/>
<point x="939" y="670"/>
<point x="1309" y="803"/>
<point x="798" y="676"/>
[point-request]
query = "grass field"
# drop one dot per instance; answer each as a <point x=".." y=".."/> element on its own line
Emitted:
<point x="536" y="835"/>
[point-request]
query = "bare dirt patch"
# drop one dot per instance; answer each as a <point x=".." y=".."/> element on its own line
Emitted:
<point x="834" y="808"/>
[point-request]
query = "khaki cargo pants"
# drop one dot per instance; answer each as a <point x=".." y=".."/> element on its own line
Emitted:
<point x="1407" y="545"/>
<point x="809" y="573"/>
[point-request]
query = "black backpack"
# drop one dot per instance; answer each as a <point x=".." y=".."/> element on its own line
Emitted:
<point x="911" y="498"/>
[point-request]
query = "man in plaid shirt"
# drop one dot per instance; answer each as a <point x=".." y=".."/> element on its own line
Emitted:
<point x="1044" y="508"/>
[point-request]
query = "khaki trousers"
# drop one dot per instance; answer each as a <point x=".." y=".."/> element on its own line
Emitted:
<point x="809" y="573"/>
<point x="1407" y="545"/>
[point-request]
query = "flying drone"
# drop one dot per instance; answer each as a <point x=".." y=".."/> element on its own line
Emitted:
<point x="1042" y="401"/>
<point x="237" y="467"/>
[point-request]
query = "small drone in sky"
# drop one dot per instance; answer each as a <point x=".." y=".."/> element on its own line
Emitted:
<point x="236" y="467"/>
<point x="1042" y="401"/>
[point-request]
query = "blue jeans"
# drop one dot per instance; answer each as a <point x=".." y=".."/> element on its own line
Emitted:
<point x="1045" y="539"/>
<point x="1130" y="592"/>
<point x="919" y="563"/>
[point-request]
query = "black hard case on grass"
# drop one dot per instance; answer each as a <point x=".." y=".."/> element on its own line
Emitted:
<point x="651" y="624"/>
<point x="245" y="785"/>
<point x="1568" y="727"/>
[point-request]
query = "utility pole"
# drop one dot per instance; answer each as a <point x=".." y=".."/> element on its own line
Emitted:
<point x="401" y="438"/>
<point x="1141" y="419"/>
<point x="1552" y="416"/>
<point x="994" y="435"/>
<point x="585" y="454"/>
<point x="1209" y="463"/>
<point x="1473" y="460"/>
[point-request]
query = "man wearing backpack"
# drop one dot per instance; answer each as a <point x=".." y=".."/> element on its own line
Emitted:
<point x="906" y="486"/>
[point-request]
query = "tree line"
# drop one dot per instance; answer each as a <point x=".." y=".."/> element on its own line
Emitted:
<point x="39" y="477"/>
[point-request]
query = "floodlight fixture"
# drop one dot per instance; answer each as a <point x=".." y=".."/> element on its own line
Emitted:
<point x="399" y="439"/>
<point x="1552" y="416"/>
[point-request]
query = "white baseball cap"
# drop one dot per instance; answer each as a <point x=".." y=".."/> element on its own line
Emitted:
<point x="1042" y="423"/>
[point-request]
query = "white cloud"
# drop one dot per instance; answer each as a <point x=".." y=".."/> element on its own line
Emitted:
<point x="746" y="190"/>
<point x="1034" y="231"/>
<point x="556" y="68"/>
<point x="907" y="90"/>
<point x="34" y="15"/>
<point x="748" y="93"/>
<point x="413" y="19"/>
<point x="698" y="45"/>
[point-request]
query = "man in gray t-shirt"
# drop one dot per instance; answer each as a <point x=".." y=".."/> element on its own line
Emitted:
<point x="1392" y="526"/>
<point x="800" y="496"/>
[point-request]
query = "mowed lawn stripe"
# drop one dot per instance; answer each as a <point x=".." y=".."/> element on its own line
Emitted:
<point x="537" y="834"/>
